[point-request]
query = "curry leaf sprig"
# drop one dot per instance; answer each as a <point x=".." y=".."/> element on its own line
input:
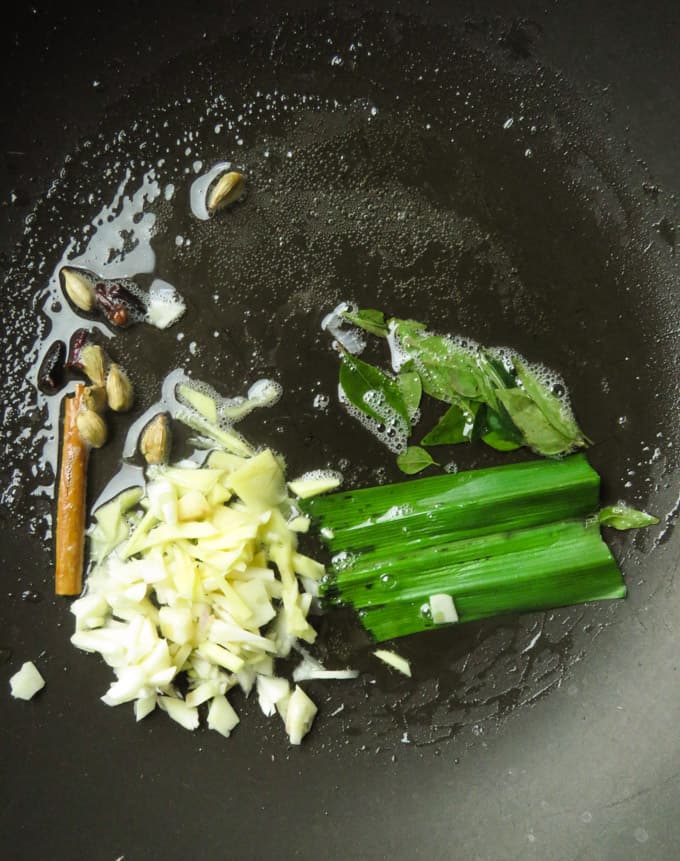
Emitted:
<point x="497" y="399"/>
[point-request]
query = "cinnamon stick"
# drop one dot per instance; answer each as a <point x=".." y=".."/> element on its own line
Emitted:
<point x="71" y="502"/>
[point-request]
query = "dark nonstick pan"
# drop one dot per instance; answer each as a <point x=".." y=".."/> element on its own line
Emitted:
<point x="508" y="172"/>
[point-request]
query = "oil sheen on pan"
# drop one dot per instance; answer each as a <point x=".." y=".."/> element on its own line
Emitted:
<point x="467" y="188"/>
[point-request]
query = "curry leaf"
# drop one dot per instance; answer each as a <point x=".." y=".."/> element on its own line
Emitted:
<point x="502" y="402"/>
<point x="414" y="459"/>
<point x="494" y="368"/>
<point x="623" y="517"/>
<point x="499" y="431"/>
<point x="555" y="410"/>
<point x="411" y="390"/>
<point x="501" y="443"/>
<point x="496" y="429"/>
<point x="369" y="320"/>
<point x="447" y="370"/>
<point x="537" y="431"/>
<point x="358" y="380"/>
<point x="492" y="376"/>
<point x="454" y="426"/>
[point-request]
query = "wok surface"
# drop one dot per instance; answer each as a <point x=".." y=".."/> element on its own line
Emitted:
<point x="562" y="750"/>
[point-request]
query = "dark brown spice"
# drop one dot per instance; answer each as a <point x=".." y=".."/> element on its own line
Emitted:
<point x="51" y="371"/>
<point x="79" y="339"/>
<point x="118" y="304"/>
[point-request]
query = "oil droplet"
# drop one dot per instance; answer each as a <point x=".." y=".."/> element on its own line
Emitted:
<point x="641" y="835"/>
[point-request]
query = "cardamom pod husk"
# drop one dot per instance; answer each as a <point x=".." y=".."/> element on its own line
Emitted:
<point x="119" y="391"/>
<point x="94" y="360"/>
<point x="94" y="398"/>
<point x="156" y="440"/>
<point x="78" y="287"/>
<point x="224" y="191"/>
<point x="92" y="428"/>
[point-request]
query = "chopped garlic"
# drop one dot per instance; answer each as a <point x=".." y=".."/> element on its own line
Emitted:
<point x="180" y="712"/>
<point x="300" y="714"/>
<point x="392" y="659"/>
<point x="304" y="671"/>
<point x="270" y="691"/>
<point x="314" y="483"/>
<point x="221" y="716"/>
<point x="204" y="692"/>
<point x="164" y="304"/>
<point x="144" y="706"/>
<point x="207" y="582"/>
<point x="442" y="609"/>
<point x="300" y="523"/>
<point x="27" y="682"/>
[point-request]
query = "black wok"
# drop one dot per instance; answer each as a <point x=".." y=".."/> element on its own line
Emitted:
<point x="547" y="736"/>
